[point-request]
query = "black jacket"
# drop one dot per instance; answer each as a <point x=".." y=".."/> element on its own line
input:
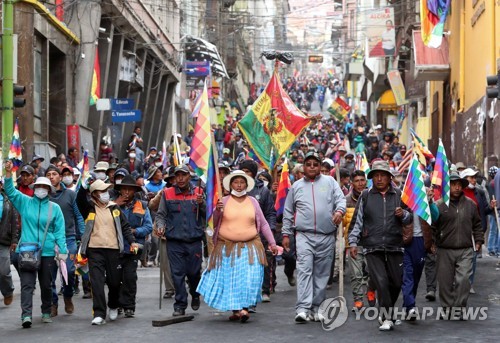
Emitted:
<point x="9" y="225"/>
<point x="374" y="225"/>
<point x="266" y="202"/>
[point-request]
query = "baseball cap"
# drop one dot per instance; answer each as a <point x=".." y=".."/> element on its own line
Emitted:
<point x="312" y="154"/>
<point x="182" y="168"/>
<point x="27" y="169"/>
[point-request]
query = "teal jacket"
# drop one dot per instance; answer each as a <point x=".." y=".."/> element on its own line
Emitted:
<point x="33" y="212"/>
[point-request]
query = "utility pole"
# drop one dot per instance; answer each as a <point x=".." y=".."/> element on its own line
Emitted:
<point x="8" y="75"/>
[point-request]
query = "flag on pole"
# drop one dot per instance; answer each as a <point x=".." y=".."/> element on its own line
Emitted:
<point x="83" y="166"/>
<point x="405" y="163"/>
<point x="164" y="158"/>
<point x="273" y="121"/>
<point x="433" y="15"/>
<point x="95" y="90"/>
<point x="200" y="146"/>
<point x="339" y="108"/>
<point x="441" y="175"/>
<point x="424" y="154"/>
<point x="211" y="189"/>
<point x="414" y="193"/>
<point x="283" y="188"/>
<point x="177" y="154"/>
<point x="15" y="148"/>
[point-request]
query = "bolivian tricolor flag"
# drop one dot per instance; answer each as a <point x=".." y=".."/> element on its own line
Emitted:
<point x="273" y="121"/>
<point x="95" y="91"/>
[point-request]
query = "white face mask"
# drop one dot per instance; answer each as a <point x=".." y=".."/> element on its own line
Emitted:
<point x="266" y="183"/>
<point x="100" y="176"/>
<point x="238" y="194"/>
<point x="158" y="164"/>
<point x="104" y="197"/>
<point x="131" y="155"/>
<point x="41" y="193"/>
<point x="471" y="186"/>
<point x="67" y="180"/>
<point x="117" y="182"/>
<point x="153" y="155"/>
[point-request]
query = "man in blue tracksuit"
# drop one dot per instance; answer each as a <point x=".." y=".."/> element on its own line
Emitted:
<point x="139" y="218"/>
<point x="314" y="207"/>
<point x="73" y="220"/>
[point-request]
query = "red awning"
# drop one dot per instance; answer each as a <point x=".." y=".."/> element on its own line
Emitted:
<point x="430" y="64"/>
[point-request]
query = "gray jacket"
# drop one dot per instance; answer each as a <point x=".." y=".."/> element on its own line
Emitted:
<point x="310" y="206"/>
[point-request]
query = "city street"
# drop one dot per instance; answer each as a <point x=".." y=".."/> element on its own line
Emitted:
<point x="273" y="321"/>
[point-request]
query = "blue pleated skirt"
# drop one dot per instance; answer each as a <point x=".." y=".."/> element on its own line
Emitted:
<point x="233" y="285"/>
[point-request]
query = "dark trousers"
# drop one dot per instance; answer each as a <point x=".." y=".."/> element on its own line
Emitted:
<point x="386" y="272"/>
<point x="128" y="289"/>
<point x="269" y="282"/>
<point x="413" y="266"/>
<point x="28" y="280"/>
<point x="104" y="268"/>
<point x="290" y="258"/>
<point x="185" y="261"/>
<point x="430" y="272"/>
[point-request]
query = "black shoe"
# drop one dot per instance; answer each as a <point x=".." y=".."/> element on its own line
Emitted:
<point x="129" y="313"/>
<point x="77" y="291"/>
<point x="168" y="295"/>
<point x="179" y="312"/>
<point x="195" y="303"/>
<point x="87" y="295"/>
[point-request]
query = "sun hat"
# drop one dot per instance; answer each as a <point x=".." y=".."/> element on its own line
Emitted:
<point x="455" y="177"/>
<point x="101" y="166"/>
<point x="238" y="173"/>
<point x="129" y="181"/>
<point x="380" y="166"/>
<point x="43" y="181"/>
<point x="468" y="172"/>
<point x="99" y="185"/>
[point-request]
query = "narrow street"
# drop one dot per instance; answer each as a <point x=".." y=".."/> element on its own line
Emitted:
<point x="273" y="321"/>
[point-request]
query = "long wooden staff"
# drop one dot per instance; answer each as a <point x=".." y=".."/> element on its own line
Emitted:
<point x="340" y="238"/>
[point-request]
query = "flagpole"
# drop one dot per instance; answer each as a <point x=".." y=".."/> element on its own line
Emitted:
<point x="340" y="238"/>
<point x="216" y="162"/>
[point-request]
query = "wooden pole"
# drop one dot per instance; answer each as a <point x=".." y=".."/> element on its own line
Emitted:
<point x="216" y="161"/>
<point x="496" y="213"/>
<point x="198" y="205"/>
<point x="162" y="247"/>
<point x="340" y="239"/>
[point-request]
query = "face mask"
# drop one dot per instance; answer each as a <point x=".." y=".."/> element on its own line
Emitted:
<point x="117" y="182"/>
<point x="41" y="193"/>
<point x="238" y="194"/>
<point x="104" y="198"/>
<point x="266" y="183"/>
<point x="67" y="180"/>
<point x="153" y="155"/>
<point x="131" y="155"/>
<point x="158" y="164"/>
<point x="471" y="186"/>
<point x="100" y="176"/>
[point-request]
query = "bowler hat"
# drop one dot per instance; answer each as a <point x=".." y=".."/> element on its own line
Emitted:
<point x="128" y="181"/>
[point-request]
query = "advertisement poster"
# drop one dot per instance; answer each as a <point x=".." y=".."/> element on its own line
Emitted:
<point x="380" y="32"/>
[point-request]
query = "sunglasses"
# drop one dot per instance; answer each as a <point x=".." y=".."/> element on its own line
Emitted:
<point x="312" y="164"/>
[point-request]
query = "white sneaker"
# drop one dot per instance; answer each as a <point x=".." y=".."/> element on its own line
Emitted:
<point x="412" y="315"/>
<point x="301" y="318"/>
<point x="387" y="325"/>
<point x="319" y="317"/>
<point x="113" y="314"/>
<point x="98" y="321"/>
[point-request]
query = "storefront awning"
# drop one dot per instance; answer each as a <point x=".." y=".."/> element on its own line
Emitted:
<point x="387" y="102"/>
<point x="430" y="64"/>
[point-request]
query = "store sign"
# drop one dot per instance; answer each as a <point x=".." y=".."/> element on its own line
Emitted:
<point x="315" y="59"/>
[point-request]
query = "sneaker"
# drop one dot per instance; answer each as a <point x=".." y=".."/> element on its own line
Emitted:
<point x="387" y="325"/>
<point x="472" y="291"/>
<point x="46" y="318"/>
<point x="358" y="305"/>
<point x="113" y="314"/>
<point x="26" y="322"/>
<point x="412" y="315"/>
<point x="266" y="298"/>
<point x="179" y="312"/>
<point x="292" y="281"/>
<point x="195" y="303"/>
<point x="371" y="296"/>
<point x="7" y="300"/>
<point x="53" y="310"/>
<point x="98" y="321"/>
<point x="252" y="309"/>
<point x="317" y="317"/>
<point x="301" y="318"/>
<point x="431" y="296"/>
<point x="68" y="305"/>
<point x="492" y="254"/>
<point x="60" y="292"/>
<point x="168" y="295"/>
<point x="150" y="264"/>
<point x="129" y="313"/>
<point x="76" y="291"/>
<point x="87" y="295"/>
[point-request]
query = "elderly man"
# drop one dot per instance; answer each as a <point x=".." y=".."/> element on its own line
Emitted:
<point x="177" y="221"/>
<point x="458" y="235"/>
<point x="314" y="207"/>
<point x="377" y="225"/>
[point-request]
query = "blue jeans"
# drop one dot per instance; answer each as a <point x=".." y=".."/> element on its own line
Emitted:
<point x="413" y="266"/>
<point x="68" y="289"/>
<point x="220" y="146"/>
<point x="493" y="237"/>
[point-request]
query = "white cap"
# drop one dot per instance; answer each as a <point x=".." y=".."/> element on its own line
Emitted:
<point x="468" y="172"/>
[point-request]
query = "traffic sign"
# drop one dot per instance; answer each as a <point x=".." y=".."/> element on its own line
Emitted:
<point x="126" y="116"/>
<point x="122" y="104"/>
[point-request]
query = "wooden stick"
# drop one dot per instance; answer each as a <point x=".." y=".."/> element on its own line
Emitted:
<point x="340" y="238"/>
<point x="496" y="213"/>
<point x="216" y="161"/>
<point x="161" y="268"/>
<point x="198" y="205"/>
<point x="172" y="320"/>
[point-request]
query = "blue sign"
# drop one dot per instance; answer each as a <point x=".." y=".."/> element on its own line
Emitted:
<point x="126" y="116"/>
<point x="122" y="104"/>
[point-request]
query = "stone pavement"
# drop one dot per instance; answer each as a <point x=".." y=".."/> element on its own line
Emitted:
<point x="273" y="321"/>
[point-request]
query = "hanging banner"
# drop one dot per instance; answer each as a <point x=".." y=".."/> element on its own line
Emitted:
<point x="73" y="137"/>
<point x="397" y="86"/>
<point x="380" y="32"/>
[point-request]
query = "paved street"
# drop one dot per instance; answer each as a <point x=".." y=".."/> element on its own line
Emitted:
<point x="272" y="323"/>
